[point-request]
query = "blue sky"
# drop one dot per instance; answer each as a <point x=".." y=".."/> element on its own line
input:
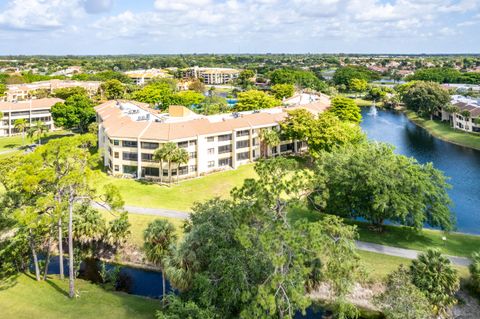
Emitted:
<point x="238" y="26"/>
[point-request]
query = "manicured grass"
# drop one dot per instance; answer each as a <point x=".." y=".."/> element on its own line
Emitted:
<point x="48" y="300"/>
<point x="404" y="237"/>
<point x="13" y="142"/>
<point x="179" y="196"/>
<point x="140" y="222"/>
<point x="378" y="266"/>
<point x="445" y="132"/>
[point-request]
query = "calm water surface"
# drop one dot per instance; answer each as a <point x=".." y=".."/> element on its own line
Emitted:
<point x="461" y="164"/>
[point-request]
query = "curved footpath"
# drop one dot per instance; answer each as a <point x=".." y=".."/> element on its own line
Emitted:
<point x="371" y="247"/>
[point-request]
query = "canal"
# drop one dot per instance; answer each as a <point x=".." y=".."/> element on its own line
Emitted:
<point x="461" y="164"/>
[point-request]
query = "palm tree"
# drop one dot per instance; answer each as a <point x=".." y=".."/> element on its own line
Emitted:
<point x="159" y="238"/>
<point x="21" y="125"/>
<point x="38" y="129"/>
<point x="169" y="150"/>
<point x="159" y="156"/>
<point x="180" y="157"/>
<point x="269" y="138"/>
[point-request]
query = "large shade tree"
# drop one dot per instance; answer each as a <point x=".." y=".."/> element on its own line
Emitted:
<point x="76" y="112"/>
<point x="425" y="98"/>
<point x="255" y="100"/>
<point x="372" y="182"/>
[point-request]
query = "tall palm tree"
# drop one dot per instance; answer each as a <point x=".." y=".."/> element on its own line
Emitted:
<point x="38" y="129"/>
<point x="169" y="150"/>
<point x="21" y="125"/>
<point x="159" y="156"/>
<point x="159" y="238"/>
<point x="180" y="157"/>
<point x="269" y="138"/>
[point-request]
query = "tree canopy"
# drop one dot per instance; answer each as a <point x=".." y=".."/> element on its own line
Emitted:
<point x="372" y="182"/>
<point x="281" y="91"/>
<point x="345" y="109"/>
<point x="344" y="75"/>
<point x="425" y="98"/>
<point x="255" y="100"/>
<point x="298" y="77"/>
<point x="76" y="112"/>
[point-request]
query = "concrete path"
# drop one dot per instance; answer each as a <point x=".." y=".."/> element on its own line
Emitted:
<point x="405" y="253"/>
<point x="376" y="248"/>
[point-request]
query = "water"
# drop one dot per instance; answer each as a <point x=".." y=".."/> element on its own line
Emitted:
<point x="459" y="163"/>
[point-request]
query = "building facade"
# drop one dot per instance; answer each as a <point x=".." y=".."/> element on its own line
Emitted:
<point x="213" y="76"/>
<point x="141" y="77"/>
<point x="22" y="92"/>
<point x="130" y="132"/>
<point x="467" y="114"/>
<point x="32" y="111"/>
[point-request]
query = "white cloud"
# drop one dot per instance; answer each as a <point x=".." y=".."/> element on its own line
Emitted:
<point x="37" y="15"/>
<point x="181" y="5"/>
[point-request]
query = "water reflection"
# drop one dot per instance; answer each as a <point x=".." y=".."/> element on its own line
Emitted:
<point x="461" y="164"/>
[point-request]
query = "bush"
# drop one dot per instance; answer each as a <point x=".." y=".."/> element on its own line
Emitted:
<point x="475" y="272"/>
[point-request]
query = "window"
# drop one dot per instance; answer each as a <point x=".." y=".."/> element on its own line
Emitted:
<point x="224" y="149"/>
<point x="127" y="169"/>
<point x="225" y="137"/>
<point x="116" y="142"/>
<point x="147" y="157"/>
<point x="243" y="133"/>
<point x="210" y="139"/>
<point x="286" y="147"/>
<point x="128" y="156"/>
<point x="243" y="144"/>
<point x="192" y="143"/>
<point x="192" y="168"/>
<point x="129" y="143"/>
<point x="117" y="168"/>
<point x="165" y="172"/>
<point x="211" y="164"/>
<point x="183" y="144"/>
<point x="183" y="170"/>
<point x="211" y="151"/>
<point x="243" y="156"/>
<point x="192" y="155"/>
<point x="116" y="155"/>
<point x="274" y="150"/>
<point x="150" y="146"/>
<point x="225" y="162"/>
<point x="151" y="171"/>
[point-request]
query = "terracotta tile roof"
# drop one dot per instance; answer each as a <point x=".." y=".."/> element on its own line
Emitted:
<point x="46" y="103"/>
<point x="122" y="126"/>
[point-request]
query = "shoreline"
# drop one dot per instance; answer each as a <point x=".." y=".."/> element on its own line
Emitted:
<point x="414" y="118"/>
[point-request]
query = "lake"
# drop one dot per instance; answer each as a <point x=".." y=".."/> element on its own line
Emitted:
<point x="461" y="164"/>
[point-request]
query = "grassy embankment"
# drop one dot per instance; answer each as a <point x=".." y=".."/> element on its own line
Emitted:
<point x="445" y="132"/>
<point x="17" y="141"/>
<point x="26" y="299"/>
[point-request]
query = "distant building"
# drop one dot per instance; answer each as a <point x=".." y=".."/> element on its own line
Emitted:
<point x="71" y="70"/>
<point x="130" y="132"/>
<point x="21" y="92"/>
<point x="141" y="77"/>
<point x="467" y="116"/>
<point x="32" y="111"/>
<point x="213" y="76"/>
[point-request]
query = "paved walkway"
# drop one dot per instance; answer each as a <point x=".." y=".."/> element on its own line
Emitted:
<point x="376" y="248"/>
<point x="405" y="253"/>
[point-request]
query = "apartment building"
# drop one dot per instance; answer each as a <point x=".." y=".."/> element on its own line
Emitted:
<point x="130" y="132"/>
<point x="467" y="116"/>
<point x="32" y="111"/>
<point x="22" y="92"/>
<point x="213" y="76"/>
<point x="141" y="77"/>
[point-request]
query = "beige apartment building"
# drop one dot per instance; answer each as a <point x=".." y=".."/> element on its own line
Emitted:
<point x="32" y="111"/>
<point x="468" y="116"/>
<point x="22" y="92"/>
<point x="130" y="132"/>
<point x="213" y="76"/>
<point x="141" y="77"/>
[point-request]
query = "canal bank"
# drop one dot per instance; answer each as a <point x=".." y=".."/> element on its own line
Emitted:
<point x="460" y="164"/>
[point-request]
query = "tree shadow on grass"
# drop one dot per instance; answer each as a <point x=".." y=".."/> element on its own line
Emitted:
<point x="56" y="287"/>
<point x="8" y="282"/>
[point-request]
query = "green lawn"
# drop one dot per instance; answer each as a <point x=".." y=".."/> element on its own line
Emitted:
<point x="378" y="266"/>
<point x="12" y="142"/>
<point x="180" y="196"/>
<point x="445" y="132"/>
<point x="404" y="237"/>
<point x="28" y="299"/>
<point x="140" y="222"/>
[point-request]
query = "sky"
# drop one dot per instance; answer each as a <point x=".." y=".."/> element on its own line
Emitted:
<point x="81" y="27"/>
